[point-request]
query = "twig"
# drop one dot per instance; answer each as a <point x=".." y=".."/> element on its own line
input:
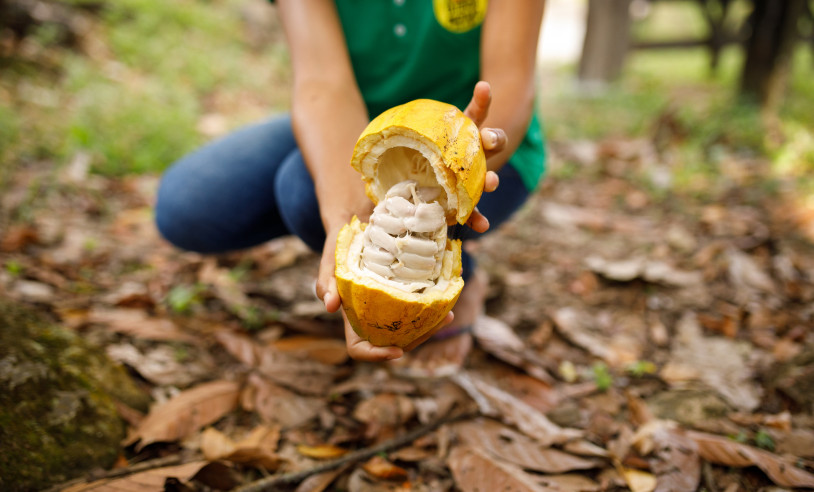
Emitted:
<point x="269" y="483"/>
<point x="172" y="459"/>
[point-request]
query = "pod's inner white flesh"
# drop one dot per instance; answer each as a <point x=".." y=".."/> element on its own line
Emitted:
<point x="405" y="239"/>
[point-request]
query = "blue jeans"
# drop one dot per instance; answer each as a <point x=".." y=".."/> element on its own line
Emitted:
<point x="252" y="186"/>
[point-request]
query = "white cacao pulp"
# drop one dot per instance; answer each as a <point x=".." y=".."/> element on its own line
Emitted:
<point x="405" y="239"/>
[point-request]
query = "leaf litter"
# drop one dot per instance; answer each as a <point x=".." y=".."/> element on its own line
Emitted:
<point x="589" y="291"/>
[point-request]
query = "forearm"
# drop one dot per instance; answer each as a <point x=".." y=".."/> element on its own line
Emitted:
<point x="328" y="118"/>
<point x="508" y="63"/>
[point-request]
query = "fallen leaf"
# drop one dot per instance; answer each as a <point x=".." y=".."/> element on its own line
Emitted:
<point x="673" y="457"/>
<point x="717" y="361"/>
<point x="361" y="481"/>
<point x="320" y="481"/>
<point x="322" y="451"/>
<point x="580" y="329"/>
<point x="226" y="288"/>
<point x="508" y="445"/>
<point x="278" y="405"/>
<point x="186" y="413"/>
<point x="383" y="413"/>
<point x="746" y="276"/>
<point x="494" y="402"/>
<point x="139" y="324"/>
<point x="723" y="451"/>
<point x="652" y="271"/>
<point x="146" y="481"/>
<point x="300" y="375"/>
<point x="498" y="339"/>
<point x="381" y="468"/>
<point x="474" y="471"/>
<point x="17" y="237"/>
<point x="331" y="351"/>
<point x="161" y="364"/>
<point x="241" y="346"/>
<point x="257" y="449"/>
<point x="637" y="480"/>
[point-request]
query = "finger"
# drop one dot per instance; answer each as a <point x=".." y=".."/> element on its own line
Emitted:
<point x="491" y="182"/>
<point x="478" y="222"/>
<point x="326" y="280"/>
<point x="494" y="140"/>
<point x="363" y="350"/>
<point x="478" y="107"/>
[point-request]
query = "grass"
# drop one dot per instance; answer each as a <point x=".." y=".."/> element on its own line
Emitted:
<point x="151" y="70"/>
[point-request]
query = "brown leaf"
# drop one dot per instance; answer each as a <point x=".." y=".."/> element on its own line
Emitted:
<point x="381" y="468"/>
<point x="508" y="445"/>
<point x="322" y="451"/>
<point x="674" y="456"/>
<point x="498" y="339"/>
<point x="300" y="375"/>
<point x="17" y="237"/>
<point x="137" y="323"/>
<point x="579" y="329"/>
<point x="320" y="481"/>
<point x="226" y="288"/>
<point x="569" y="482"/>
<point x="723" y="451"/>
<point x="278" y="405"/>
<point x="330" y="351"/>
<point x="494" y="402"/>
<point x="186" y="413"/>
<point x="475" y="471"/>
<point x="241" y="346"/>
<point x="146" y="481"/>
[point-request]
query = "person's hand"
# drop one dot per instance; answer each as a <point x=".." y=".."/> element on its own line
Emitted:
<point x="493" y="141"/>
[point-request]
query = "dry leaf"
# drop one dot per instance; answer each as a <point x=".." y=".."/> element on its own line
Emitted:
<point x="673" y="456"/>
<point x="475" y="471"/>
<point x="580" y="330"/>
<point x="330" y="351"/>
<point x="186" y="413"/>
<point x="494" y="402"/>
<point x="226" y="288"/>
<point x="723" y="451"/>
<point x="241" y="346"/>
<point x="637" y="480"/>
<point x="276" y="404"/>
<point x="146" y="481"/>
<point x="137" y="323"/>
<point x="322" y="451"/>
<point x="498" y="339"/>
<point x="381" y="468"/>
<point x="508" y="445"/>
<point x="320" y="481"/>
<point x="719" y="362"/>
<point x="257" y="449"/>
<point x="160" y="365"/>
<point x="300" y="375"/>
<point x="570" y="482"/>
<point x="384" y="411"/>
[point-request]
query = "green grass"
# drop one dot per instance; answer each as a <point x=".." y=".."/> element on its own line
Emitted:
<point x="155" y="68"/>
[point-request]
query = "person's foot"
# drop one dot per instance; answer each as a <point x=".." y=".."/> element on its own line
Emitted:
<point x="446" y="351"/>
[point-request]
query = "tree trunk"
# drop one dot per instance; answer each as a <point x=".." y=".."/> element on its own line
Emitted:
<point x="769" y="50"/>
<point x="607" y="37"/>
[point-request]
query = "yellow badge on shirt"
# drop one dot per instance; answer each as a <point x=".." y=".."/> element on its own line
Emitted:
<point x="460" y="15"/>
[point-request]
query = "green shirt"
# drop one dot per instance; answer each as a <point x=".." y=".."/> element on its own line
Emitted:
<point x="409" y="49"/>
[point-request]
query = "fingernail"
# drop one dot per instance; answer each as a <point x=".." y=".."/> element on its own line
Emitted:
<point x="490" y="138"/>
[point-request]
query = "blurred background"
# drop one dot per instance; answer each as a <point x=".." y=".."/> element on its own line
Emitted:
<point x="128" y="86"/>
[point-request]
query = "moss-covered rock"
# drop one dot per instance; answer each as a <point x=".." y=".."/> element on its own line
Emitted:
<point x="58" y="415"/>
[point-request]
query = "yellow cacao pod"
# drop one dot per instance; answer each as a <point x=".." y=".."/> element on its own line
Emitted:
<point x="399" y="275"/>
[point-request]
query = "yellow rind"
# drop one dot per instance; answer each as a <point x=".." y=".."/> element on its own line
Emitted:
<point x="444" y="129"/>
<point x="384" y="315"/>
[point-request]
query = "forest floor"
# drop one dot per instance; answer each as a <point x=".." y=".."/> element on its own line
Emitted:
<point x="645" y="326"/>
